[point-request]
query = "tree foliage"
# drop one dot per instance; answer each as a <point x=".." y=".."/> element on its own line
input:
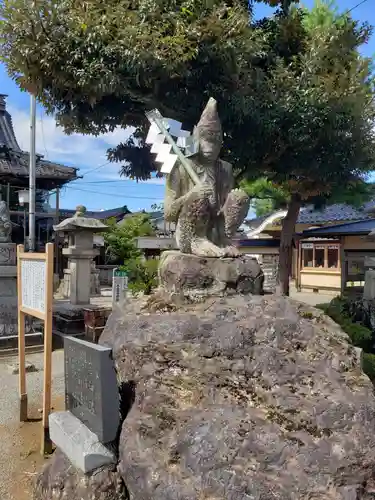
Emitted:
<point x="121" y="247"/>
<point x="142" y="275"/>
<point x="120" y="240"/>
<point x="267" y="197"/>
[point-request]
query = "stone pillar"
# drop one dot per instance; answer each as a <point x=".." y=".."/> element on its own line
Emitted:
<point x="77" y="276"/>
<point x="369" y="288"/>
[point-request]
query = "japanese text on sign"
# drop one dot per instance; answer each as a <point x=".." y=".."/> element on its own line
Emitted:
<point x="33" y="283"/>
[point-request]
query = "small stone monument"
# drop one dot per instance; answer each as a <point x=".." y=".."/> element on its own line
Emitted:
<point x="92" y="417"/>
<point x="119" y="286"/>
<point x="80" y="273"/>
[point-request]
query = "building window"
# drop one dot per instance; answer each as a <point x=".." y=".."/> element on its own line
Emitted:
<point x="308" y="257"/>
<point x="320" y="255"/>
<point x="333" y="256"/>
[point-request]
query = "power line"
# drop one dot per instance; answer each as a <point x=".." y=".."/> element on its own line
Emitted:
<point x="96" y="168"/>
<point x="116" y="181"/>
<point x="114" y="194"/>
<point x="355" y="6"/>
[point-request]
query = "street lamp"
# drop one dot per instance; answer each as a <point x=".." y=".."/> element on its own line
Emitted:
<point x="23" y="200"/>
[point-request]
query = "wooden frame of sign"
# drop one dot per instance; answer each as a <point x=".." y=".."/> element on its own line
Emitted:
<point x="35" y="298"/>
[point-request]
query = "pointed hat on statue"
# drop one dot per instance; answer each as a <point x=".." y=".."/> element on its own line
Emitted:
<point x="209" y="120"/>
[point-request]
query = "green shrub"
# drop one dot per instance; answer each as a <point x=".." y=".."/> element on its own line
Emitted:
<point x="142" y="275"/>
<point x="360" y="335"/>
<point x="369" y="365"/>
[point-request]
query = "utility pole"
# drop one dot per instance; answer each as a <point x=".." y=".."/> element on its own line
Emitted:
<point x="32" y="173"/>
<point x="57" y="238"/>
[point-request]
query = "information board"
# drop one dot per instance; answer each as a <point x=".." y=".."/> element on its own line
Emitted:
<point x="33" y="279"/>
<point x="35" y="298"/>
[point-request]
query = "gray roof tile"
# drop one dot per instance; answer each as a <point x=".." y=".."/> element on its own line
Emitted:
<point x="331" y="213"/>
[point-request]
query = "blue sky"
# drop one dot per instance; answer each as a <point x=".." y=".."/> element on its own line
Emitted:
<point x="101" y="186"/>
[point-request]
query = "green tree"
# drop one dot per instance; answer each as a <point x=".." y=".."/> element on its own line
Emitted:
<point x="294" y="93"/>
<point x="97" y="65"/>
<point x="120" y="240"/>
<point x="267" y="197"/>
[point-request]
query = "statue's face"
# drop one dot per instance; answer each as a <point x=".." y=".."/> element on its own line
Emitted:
<point x="210" y="143"/>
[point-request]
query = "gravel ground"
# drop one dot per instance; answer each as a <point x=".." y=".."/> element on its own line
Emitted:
<point x="20" y="457"/>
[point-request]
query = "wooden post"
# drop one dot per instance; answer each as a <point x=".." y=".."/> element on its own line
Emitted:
<point x="21" y="342"/>
<point x="343" y="265"/>
<point x="47" y="382"/>
<point x="298" y="272"/>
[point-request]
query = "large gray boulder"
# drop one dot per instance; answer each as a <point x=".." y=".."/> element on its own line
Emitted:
<point x="60" y="480"/>
<point x="238" y="398"/>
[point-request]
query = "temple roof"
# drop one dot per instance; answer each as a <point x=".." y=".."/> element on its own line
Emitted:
<point x="14" y="163"/>
<point x="361" y="227"/>
<point x="7" y="136"/>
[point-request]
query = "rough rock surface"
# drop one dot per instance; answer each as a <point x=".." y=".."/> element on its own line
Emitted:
<point x="236" y="398"/>
<point x="191" y="275"/>
<point x="243" y="398"/>
<point x="60" y="480"/>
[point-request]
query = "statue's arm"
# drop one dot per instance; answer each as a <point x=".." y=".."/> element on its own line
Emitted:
<point x="173" y="201"/>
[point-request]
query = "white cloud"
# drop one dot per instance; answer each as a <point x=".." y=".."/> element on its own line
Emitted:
<point x="81" y="151"/>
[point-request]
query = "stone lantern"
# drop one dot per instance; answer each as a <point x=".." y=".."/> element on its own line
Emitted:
<point x="80" y="231"/>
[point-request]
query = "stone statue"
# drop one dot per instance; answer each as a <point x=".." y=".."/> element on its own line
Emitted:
<point x="80" y="211"/>
<point x="5" y="223"/>
<point x="207" y="215"/>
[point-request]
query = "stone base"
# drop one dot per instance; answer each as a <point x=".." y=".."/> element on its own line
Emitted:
<point x="78" y="443"/>
<point x="190" y="275"/>
<point x="69" y="320"/>
<point x="63" y="289"/>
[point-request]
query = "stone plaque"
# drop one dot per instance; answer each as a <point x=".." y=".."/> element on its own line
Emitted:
<point x="270" y="267"/>
<point x="33" y="282"/>
<point x="91" y="391"/>
<point x="8" y="254"/>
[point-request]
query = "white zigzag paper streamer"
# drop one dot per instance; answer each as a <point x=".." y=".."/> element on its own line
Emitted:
<point x="163" y="150"/>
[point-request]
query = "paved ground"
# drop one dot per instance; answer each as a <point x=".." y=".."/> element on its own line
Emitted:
<point x="20" y="442"/>
<point x="311" y="298"/>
